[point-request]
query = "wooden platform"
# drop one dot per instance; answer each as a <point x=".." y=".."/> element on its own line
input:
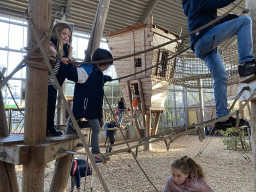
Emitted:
<point x="16" y="152"/>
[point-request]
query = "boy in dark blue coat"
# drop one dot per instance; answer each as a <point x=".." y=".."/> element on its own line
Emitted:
<point x="79" y="168"/>
<point x="89" y="92"/>
<point x="204" y="44"/>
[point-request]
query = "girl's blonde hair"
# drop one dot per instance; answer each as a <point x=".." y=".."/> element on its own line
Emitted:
<point x="56" y="34"/>
<point x="188" y="166"/>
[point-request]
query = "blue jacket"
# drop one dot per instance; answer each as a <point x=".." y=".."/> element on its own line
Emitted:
<point x="88" y="96"/>
<point x="201" y="12"/>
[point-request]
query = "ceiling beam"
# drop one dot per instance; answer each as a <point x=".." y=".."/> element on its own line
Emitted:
<point x="149" y="11"/>
<point x="69" y="3"/>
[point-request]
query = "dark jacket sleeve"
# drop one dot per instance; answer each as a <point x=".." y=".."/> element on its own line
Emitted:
<point x="107" y="78"/>
<point x="70" y="72"/>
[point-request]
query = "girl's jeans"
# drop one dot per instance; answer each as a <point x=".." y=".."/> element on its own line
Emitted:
<point x="95" y="124"/>
<point x="206" y="49"/>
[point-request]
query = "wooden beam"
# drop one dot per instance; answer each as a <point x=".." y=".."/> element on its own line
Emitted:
<point x="68" y="7"/>
<point x="149" y="11"/>
<point x="50" y="151"/>
<point x="15" y="154"/>
<point x="36" y="97"/>
<point x="98" y="27"/>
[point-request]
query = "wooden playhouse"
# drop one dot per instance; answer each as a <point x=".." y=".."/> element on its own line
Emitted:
<point x="151" y="85"/>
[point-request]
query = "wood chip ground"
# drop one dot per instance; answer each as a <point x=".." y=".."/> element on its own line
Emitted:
<point x="225" y="170"/>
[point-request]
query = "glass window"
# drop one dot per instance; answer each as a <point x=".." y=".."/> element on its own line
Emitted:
<point x="15" y="87"/>
<point x="16" y="37"/>
<point x="13" y="61"/>
<point x="74" y="47"/>
<point x="82" y="46"/>
<point x="3" y="56"/>
<point x="104" y="45"/>
<point x="4" y="34"/>
<point x="25" y="32"/>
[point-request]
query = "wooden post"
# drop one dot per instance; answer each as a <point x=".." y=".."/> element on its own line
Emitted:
<point x="143" y="107"/>
<point x="155" y="126"/>
<point x="184" y="97"/>
<point x="10" y="121"/>
<point x="60" y="177"/>
<point x="36" y="97"/>
<point x="132" y="43"/>
<point x="174" y="103"/>
<point x="148" y="129"/>
<point x="130" y="95"/>
<point x="3" y="122"/>
<point x="201" y="105"/>
<point x="142" y="97"/>
<point x="97" y="28"/>
<point x="251" y="4"/>
<point x="8" y="181"/>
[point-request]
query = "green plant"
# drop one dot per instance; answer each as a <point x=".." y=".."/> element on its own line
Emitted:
<point x="234" y="139"/>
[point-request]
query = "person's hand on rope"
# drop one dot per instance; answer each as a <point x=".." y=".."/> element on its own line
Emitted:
<point x="107" y="78"/>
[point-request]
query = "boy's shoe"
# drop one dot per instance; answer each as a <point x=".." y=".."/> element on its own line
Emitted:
<point x="247" y="68"/>
<point x="231" y="122"/>
<point x="100" y="159"/>
<point x="53" y="132"/>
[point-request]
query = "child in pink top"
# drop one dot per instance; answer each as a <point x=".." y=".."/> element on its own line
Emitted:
<point x="187" y="176"/>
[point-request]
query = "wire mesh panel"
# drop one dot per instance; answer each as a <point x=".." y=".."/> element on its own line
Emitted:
<point x="189" y="69"/>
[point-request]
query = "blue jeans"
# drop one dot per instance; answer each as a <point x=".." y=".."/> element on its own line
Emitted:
<point x="206" y="49"/>
<point x="120" y="114"/>
<point x="95" y="124"/>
